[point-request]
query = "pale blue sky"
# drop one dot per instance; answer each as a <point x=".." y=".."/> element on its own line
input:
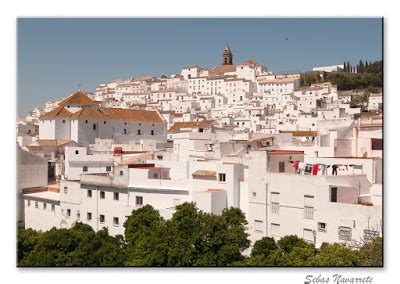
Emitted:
<point x="55" y="55"/>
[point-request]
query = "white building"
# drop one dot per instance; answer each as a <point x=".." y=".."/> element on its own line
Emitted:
<point x="78" y="118"/>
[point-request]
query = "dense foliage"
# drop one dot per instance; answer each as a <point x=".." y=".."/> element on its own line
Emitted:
<point x="369" y="76"/>
<point x="190" y="238"/>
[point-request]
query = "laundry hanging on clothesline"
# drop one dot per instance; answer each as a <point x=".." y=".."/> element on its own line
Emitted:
<point x="321" y="169"/>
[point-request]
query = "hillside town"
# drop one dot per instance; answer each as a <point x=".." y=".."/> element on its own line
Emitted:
<point x="297" y="160"/>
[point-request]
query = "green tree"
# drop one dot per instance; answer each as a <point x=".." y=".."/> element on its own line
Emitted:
<point x="371" y="254"/>
<point x="264" y="247"/>
<point x="27" y="239"/>
<point x="336" y="255"/>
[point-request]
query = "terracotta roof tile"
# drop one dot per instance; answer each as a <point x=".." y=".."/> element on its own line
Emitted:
<point x="224" y="69"/>
<point x="177" y="126"/>
<point x="300" y="132"/>
<point x="59" y="112"/>
<point x="78" y="98"/>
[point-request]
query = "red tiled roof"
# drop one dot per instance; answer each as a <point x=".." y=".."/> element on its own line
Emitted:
<point x="177" y="126"/>
<point x="59" y="112"/>
<point x="224" y="69"/>
<point x="78" y="98"/>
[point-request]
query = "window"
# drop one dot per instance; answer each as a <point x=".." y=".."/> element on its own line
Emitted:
<point x="377" y="144"/>
<point x="89" y="193"/>
<point x="63" y="121"/>
<point x="44" y="206"/>
<point x="254" y="194"/>
<point x="116" y="196"/>
<point x="94" y="127"/>
<point x="36" y="204"/>
<point x="344" y="233"/>
<point x="78" y="214"/>
<point x="53" y="207"/>
<point x="102" y="195"/>
<point x="104" y="122"/>
<point x="152" y="132"/>
<point x="102" y="218"/>
<point x="85" y="168"/>
<point x="333" y="194"/>
<point x="275" y="230"/>
<point x="138" y="132"/>
<point x="86" y="121"/>
<point x="281" y="167"/>
<point x="275" y="203"/>
<point x="116" y="221"/>
<point x="89" y="216"/>
<point x="258" y="226"/>
<point x="121" y="173"/>
<point x="308" y="235"/>
<point x="76" y="152"/>
<point x="65" y="190"/>
<point x="139" y="200"/>
<point x="222" y="177"/>
<point x="370" y="235"/>
<point x="124" y="130"/>
<point x="321" y="227"/>
<point x="68" y="212"/>
<point x="29" y="203"/>
<point x="108" y="168"/>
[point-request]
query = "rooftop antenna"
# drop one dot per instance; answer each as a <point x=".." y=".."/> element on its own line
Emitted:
<point x="79" y="86"/>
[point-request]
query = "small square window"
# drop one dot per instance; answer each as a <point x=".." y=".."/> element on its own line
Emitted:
<point x="68" y="212"/>
<point x="102" y="218"/>
<point x="76" y="152"/>
<point x="108" y="168"/>
<point x="53" y="207"/>
<point x="89" y="193"/>
<point x="322" y="227"/>
<point x="222" y="177"/>
<point x="65" y="190"/>
<point x="44" y="206"/>
<point x="86" y="121"/>
<point x="121" y="173"/>
<point x="89" y="216"/>
<point x="102" y="195"/>
<point x="104" y="122"/>
<point x="94" y="127"/>
<point x="36" y="204"/>
<point x="78" y="215"/>
<point x="254" y="194"/>
<point x="29" y="203"/>
<point x="116" y="196"/>
<point x="116" y="221"/>
<point x="85" y="168"/>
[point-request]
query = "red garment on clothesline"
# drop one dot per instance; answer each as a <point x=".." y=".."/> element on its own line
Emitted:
<point x="314" y="169"/>
<point x="296" y="164"/>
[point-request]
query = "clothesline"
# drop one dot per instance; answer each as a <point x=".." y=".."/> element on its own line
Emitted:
<point x="314" y="169"/>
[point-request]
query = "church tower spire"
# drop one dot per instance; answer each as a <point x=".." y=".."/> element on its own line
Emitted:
<point x="227" y="56"/>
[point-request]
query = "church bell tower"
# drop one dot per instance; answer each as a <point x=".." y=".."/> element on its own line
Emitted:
<point x="227" y="56"/>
